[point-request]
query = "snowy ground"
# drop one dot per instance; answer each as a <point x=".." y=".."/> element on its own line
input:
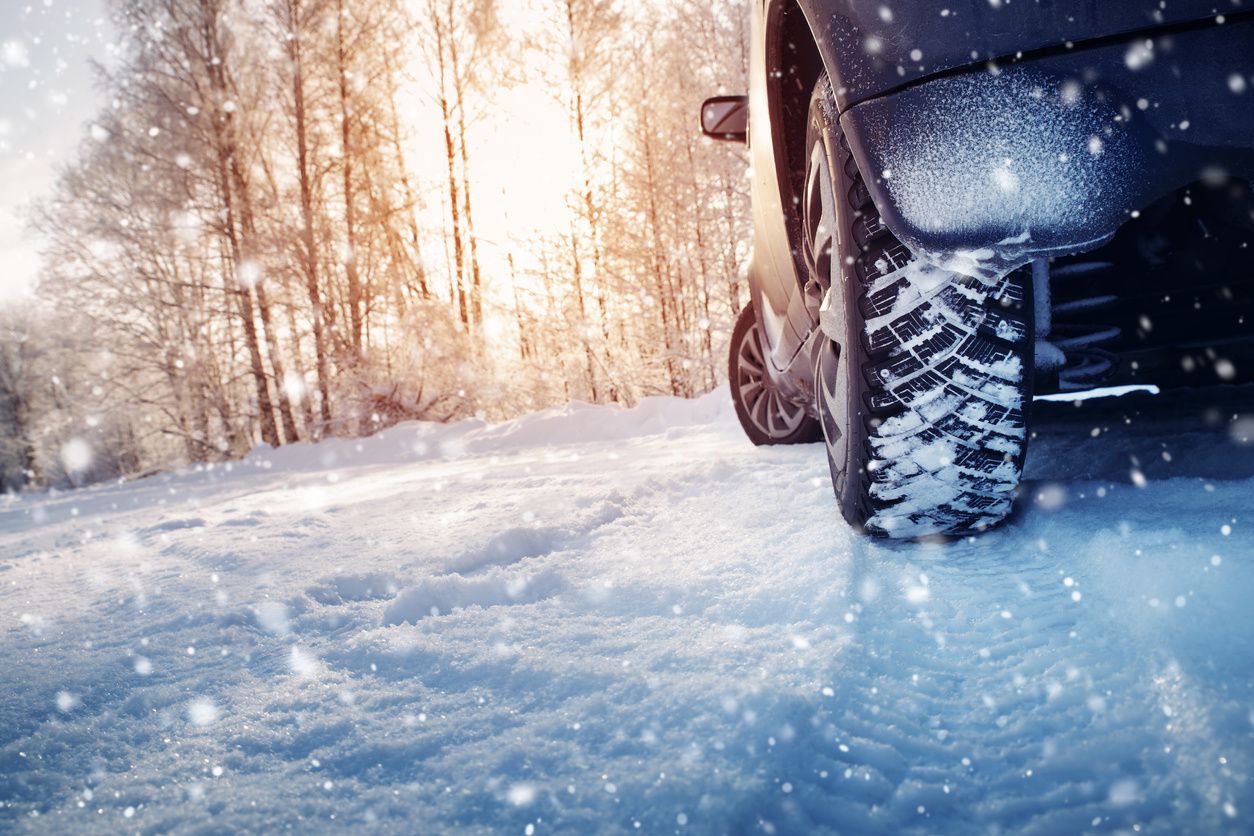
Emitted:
<point x="603" y="620"/>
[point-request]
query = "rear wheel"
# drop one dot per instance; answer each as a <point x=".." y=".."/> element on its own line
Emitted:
<point x="922" y="375"/>
<point x="765" y="414"/>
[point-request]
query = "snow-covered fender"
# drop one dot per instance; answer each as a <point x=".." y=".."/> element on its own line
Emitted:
<point x="1051" y="156"/>
<point x="1014" y="163"/>
<point x="873" y="47"/>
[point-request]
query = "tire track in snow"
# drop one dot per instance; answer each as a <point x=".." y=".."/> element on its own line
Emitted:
<point x="983" y="690"/>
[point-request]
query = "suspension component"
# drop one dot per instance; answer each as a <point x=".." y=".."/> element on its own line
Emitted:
<point x="1073" y="348"/>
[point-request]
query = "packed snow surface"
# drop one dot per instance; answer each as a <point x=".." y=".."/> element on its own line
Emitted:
<point x="606" y="620"/>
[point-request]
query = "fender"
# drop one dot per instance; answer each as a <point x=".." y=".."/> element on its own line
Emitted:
<point x="873" y="48"/>
<point x="990" y="134"/>
<point x="1051" y="156"/>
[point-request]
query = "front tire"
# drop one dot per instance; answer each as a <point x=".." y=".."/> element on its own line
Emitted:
<point x="922" y="375"/>
<point x="766" y="416"/>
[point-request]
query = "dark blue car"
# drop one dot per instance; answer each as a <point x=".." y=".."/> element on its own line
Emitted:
<point x="961" y="203"/>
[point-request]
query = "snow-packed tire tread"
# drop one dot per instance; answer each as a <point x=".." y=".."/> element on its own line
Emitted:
<point x="946" y="386"/>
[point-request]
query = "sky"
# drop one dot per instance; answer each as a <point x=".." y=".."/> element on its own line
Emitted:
<point x="47" y="94"/>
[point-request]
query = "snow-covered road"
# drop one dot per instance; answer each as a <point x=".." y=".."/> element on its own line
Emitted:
<point x="603" y="620"/>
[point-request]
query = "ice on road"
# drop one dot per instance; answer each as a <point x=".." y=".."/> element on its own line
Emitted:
<point x="608" y="620"/>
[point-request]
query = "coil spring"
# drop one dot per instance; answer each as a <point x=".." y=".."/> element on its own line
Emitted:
<point x="1088" y="363"/>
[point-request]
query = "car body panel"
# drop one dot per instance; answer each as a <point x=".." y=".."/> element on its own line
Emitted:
<point x="1051" y="156"/>
<point x="872" y="46"/>
<point x="772" y="272"/>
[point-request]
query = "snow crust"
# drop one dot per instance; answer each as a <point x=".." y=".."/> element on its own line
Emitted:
<point x="592" y="619"/>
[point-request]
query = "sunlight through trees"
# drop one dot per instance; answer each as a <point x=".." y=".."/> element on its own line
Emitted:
<point x="302" y="218"/>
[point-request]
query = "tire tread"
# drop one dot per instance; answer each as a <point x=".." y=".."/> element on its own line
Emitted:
<point x="946" y="367"/>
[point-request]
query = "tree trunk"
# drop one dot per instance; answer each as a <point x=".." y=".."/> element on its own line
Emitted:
<point x="224" y="142"/>
<point x="407" y="188"/>
<point x="265" y="409"/>
<point x="577" y="271"/>
<point x="659" y="283"/>
<point x="309" y="261"/>
<point x="27" y="449"/>
<point x="451" y="157"/>
<point x="476" y="288"/>
<point x="276" y="363"/>
<point x="697" y="207"/>
<point x="350" y="212"/>
<point x="298" y="366"/>
<point x="248" y="226"/>
<point x="524" y="346"/>
<point x="575" y="74"/>
<point x="729" y="261"/>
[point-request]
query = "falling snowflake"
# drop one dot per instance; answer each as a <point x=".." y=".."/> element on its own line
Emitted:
<point x="202" y="712"/>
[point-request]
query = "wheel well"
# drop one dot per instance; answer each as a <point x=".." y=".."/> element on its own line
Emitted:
<point x="793" y="66"/>
<point x="1172" y="290"/>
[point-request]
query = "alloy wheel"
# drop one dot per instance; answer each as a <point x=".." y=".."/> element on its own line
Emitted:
<point x="821" y="224"/>
<point x="771" y="413"/>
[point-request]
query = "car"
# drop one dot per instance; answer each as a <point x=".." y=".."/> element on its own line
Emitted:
<point x="959" y="206"/>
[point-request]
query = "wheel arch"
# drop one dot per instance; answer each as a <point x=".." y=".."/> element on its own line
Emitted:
<point x="794" y="63"/>
<point x="788" y="64"/>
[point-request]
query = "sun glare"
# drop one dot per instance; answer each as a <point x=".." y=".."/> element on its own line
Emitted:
<point x="527" y="166"/>
<point x="524" y="170"/>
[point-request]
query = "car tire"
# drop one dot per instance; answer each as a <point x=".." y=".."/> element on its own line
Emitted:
<point x="765" y="414"/>
<point x="922" y="375"/>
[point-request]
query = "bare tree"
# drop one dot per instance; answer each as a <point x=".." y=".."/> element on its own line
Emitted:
<point x="253" y="209"/>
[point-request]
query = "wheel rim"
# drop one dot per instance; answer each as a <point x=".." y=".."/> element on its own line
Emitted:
<point x="821" y="218"/>
<point x="831" y="366"/>
<point x="770" y="412"/>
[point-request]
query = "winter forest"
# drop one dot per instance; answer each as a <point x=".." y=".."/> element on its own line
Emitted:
<point x="296" y="219"/>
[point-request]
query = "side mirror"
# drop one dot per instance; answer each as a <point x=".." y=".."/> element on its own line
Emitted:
<point x="726" y="118"/>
